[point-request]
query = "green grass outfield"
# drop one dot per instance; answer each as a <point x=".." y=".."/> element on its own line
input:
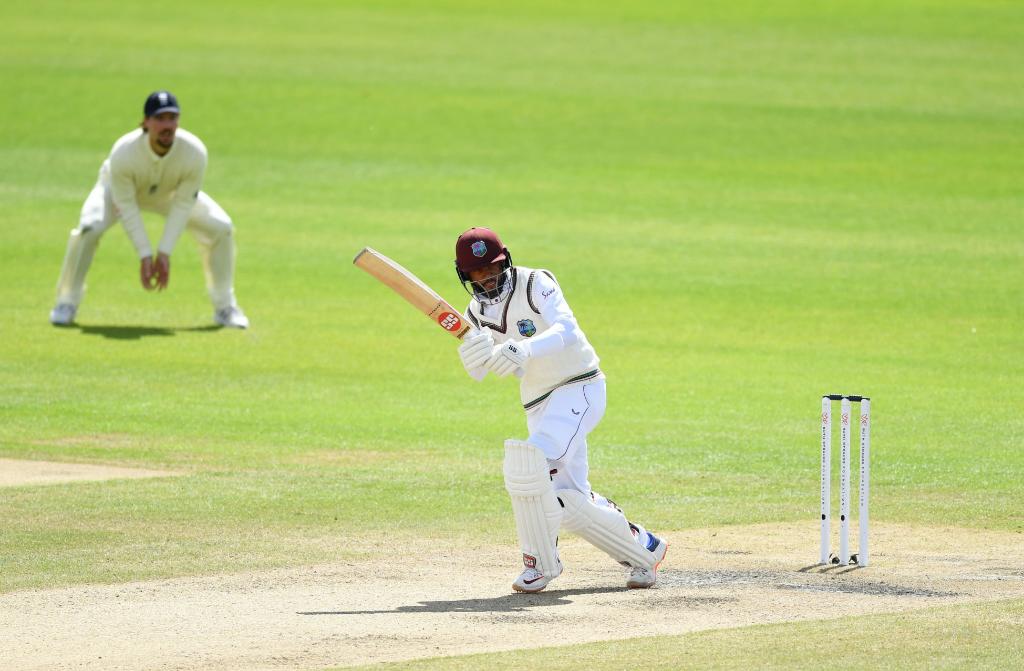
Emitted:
<point x="747" y="207"/>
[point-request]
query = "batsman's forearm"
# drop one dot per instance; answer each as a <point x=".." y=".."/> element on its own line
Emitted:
<point x="554" y="339"/>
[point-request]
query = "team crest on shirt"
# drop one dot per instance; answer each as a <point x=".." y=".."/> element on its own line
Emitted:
<point x="479" y="248"/>
<point x="526" y="327"/>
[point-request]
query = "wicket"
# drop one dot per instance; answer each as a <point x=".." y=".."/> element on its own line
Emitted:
<point x="861" y="558"/>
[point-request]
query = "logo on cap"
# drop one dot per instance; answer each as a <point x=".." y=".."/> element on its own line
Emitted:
<point x="479" y="248"/>
<point x="160" y="101"/>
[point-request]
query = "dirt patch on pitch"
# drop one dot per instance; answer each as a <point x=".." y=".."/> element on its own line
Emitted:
<point x="23" y="472"/>
<point x="427" y="600"/>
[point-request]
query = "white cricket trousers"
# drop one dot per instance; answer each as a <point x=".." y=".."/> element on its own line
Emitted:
<point x="208" y="223"/>
<point x="559" y="428"/>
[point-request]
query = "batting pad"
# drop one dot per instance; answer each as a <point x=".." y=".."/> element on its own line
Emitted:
<point x="605" y="528"/>
<point x="537" y="512"/>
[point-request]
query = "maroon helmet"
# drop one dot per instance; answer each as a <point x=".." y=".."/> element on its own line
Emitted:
<point x="479" y="247"/>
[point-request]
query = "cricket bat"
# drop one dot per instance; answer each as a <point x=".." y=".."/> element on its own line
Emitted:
<point x="412" y="289"/>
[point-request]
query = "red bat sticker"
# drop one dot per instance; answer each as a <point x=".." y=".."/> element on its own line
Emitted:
<point x="449" y="321"/>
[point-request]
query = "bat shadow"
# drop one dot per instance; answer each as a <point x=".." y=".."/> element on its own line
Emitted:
<point x="508" y="603"/>
<point x="139" y="332"/>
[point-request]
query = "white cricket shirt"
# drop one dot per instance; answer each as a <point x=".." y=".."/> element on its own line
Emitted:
<point x="140" y="179"/>
<point x="533" y="311"/>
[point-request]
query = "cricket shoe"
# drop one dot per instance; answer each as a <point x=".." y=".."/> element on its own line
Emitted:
<point x="63" y="314"/>
<point x="231" y="317"/>
<point x="642" y="578"/>
<point x="531" y="580"/>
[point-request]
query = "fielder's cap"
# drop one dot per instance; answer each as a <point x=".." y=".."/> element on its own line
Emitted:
<point x="159" y="102"/>
<point x="478" y="247"/>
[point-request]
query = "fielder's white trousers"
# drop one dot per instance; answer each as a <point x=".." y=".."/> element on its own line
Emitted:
<point x="559" y="428"/>
<point x="208" y="223"/>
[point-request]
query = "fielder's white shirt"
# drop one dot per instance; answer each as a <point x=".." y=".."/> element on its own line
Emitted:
<point x="140" y="179"/>
<point x="536" y="312"/>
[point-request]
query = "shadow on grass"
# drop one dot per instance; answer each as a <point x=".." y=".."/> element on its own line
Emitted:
<point x="139" y="332"/>
<point x="509" y="603"/>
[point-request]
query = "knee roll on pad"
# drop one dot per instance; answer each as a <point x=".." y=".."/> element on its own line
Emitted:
<point x="604" y="527"/>
<point x="537" y="512"/>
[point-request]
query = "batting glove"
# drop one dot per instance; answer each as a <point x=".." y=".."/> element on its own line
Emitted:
<point x="509" y="358"/>
<point x="476" y="349"/>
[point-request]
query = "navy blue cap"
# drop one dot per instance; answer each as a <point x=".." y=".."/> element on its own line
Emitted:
<point x="160" y="101"/>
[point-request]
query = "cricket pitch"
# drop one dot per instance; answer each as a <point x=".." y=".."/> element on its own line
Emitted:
<point x="429" y="600"/>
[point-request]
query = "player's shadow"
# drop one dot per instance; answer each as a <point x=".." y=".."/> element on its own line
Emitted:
<point x="509" y="603"/>
<point x="139" y="332"/>
<point x="829" y="568"/>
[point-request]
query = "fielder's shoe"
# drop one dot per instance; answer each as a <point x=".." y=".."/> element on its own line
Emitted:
<point x="231" y="317"/>
<point x="63" y="314"/>
<point x="642" y="578"/>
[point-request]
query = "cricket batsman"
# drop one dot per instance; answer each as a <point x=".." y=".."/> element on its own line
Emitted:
<point x="525" y="327"/>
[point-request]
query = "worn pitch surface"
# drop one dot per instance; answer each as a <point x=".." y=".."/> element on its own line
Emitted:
<point x="430" y="600"/>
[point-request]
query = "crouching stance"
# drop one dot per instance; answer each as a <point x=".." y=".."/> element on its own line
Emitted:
<point x="524" y="327"/>
<point x="159" y="168"/>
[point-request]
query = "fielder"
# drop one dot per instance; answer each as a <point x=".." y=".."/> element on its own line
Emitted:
<point x="157" y="167"/>
<point x="525" y="327"/>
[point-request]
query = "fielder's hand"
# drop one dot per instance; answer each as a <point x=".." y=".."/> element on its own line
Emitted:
<point x="476" y="349"/>
<point x="509" y="358"/>
<point x="162" y="271"/>
<point x="146" y="273"/>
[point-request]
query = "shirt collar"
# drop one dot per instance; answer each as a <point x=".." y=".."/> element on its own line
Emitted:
<point x="153" y="156"/>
